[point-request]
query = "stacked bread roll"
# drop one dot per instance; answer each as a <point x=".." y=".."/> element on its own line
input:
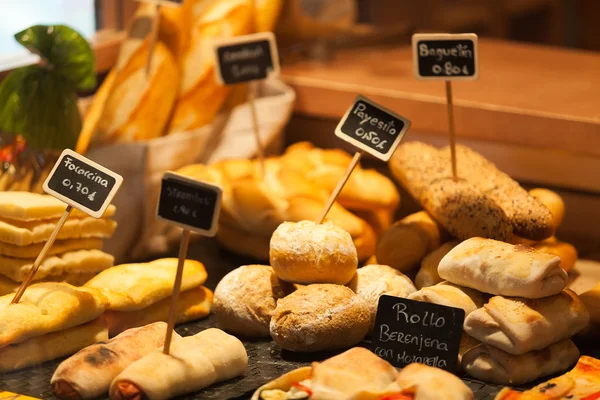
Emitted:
<point x="524" y="330"/>
<point x="140" y="294"/>
<point x="26" y="222"/>
<point x="300" y="300"/>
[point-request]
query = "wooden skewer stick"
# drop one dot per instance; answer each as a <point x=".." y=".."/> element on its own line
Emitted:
<point x="41" y="256"/>
<point x="451" y="127"/>
<point x="183" y="248"/>
<point x="252" y="90"/>
<point x="357" y="156"/>
<point x="153" y="38"/>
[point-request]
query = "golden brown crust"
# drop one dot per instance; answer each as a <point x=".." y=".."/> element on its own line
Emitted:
<point x="428" y="273"/>
<point x="563" y="250"/>
<point x="553" y="202"/>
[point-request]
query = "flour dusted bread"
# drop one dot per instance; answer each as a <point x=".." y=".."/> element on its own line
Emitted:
<point x="503" y="269"/>
<point x="245" y="300"/>
<point x="493" y="365"/>
<point x="88" y="373"/>
<point x="428" y="273"/>
<point x="131" y="287"/>
<point x="518" y="325"/>
<point x="194" y="362"/>
<point x="320" y="317"/>
<point x="373" y="281"/>
<point x="450" y="295"/>
<point x="307" y="252"/>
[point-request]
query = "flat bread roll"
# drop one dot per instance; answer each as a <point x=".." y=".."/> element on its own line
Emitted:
<point x="52" y="345"/>
<point x="192" y="305"/>
<point x="59" y="247"/>
<point x="429" y="383"/>
<point x="373" y="281"/>
<point x="88" y="373"/>
<point x="131" y="287"/>
<point x="245" y="300"/>
<point x="503" y="269"/>
<point x="428" y="273"/>
<point x="450" y="295"/>
<point x="493" y="365"/>
<point x="194" y="362"/>
<point x="47" y="307"/>
<point x="518" y="325"/>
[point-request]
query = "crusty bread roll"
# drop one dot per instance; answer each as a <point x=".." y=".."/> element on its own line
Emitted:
<point x="482" y="202"/>
<point x="307" y="252"/>
<point x="320" y="317"/>
<point x="245" y="300"/>
<point x="428" y="273"/>
<point x="407" y="241"/>
<point x="553" y="202"/>
<point x="517" y="325"/>
<point x="504" y="269"/>
<point x="563" y="250"/>
<point x="493" y="365"/>
<point x="373" y="281"/>
<point x="450" y="295"/>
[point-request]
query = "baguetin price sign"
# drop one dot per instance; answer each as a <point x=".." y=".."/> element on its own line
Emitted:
<point x="445" y="56"/>
<point x="408" y="331"/>
<point x="82" y="183"/>
<point x="191" y="204"/>
<point x="246" y="58"/>
<point x="372" y="128"/>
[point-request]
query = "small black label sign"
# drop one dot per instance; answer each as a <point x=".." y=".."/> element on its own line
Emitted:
<point x="82" y="183"/>
<point x="246" y="58"/>
<point x="408" y="331"/>
<point x="189" y="203"/>
<point x="372" y="128"/>
<point x="445" y="56"/>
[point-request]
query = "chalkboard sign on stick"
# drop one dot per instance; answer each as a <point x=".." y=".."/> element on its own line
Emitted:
<point x="408" y="331"/>
<point x="445" y="56"/>
<point x="82" y="183"/>
<point x="191" y="204"/>
<point x="246" y="58"/>
<point x="372" y="128"/>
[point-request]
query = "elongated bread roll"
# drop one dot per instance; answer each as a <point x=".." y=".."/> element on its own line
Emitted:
<point x="518" y="325"/>
<point x="450" y="295"/>
<point x="88" y="373"/>
<point x="194" y="362"/>
<point x="493" y="365"/>
<point x="503" y="269"/>
<point x="407" y="241"/>
<point x="52" y="345"/>
<point x="428" y="273"/>
<point x="192" y="304"/>
<point x="47" y="307"/>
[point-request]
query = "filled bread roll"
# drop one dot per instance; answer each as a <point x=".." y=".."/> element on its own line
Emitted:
<point x="88" y="373"/>
<point x="373" y="281"/>
<point x="493" y="365"/>
<point x="450" y="295"/>
<point x="428" y="273"/>
<point x="52" y="345"/>
<point x="320" y="317"/>
<point x="553" y="202"/>
<point x="565" y="251"/>
<point x="518" y="325"/>
<point x="503" y="269"/>
<point x="407" y="241"/>
<point x="194" y="362"/>
<point x="429" y="383"/>
<point x="245" y="300"/>
<point x="306" y="252"/>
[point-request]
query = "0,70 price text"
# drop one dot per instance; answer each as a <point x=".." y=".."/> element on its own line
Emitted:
<point x="84" y="190"/>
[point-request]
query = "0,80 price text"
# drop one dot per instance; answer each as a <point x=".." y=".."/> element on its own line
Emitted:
<point x="84" y="190"/>
<point x="449" y="70"/>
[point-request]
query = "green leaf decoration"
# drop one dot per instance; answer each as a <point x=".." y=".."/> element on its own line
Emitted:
<point x="66" y="51"/>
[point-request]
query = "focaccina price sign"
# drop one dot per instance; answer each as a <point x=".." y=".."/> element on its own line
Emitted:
<point x="445" y="56"/>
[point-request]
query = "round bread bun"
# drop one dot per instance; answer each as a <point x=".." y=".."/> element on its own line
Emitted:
<point x="553" y="202"/>
<point x="306" y="252"/>
<point x="373" y="281"/>
<point x="245" y="299"/>
<point x="320" y="317"/>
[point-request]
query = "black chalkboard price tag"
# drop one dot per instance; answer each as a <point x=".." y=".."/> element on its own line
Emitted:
<point x="191" y="204"/>
<point x="408" y="331"/>
<point x="82" y="183"/>
<point x="372" y="128"/>
<point x="246" y="58"/>
<point x="445" y="56"/>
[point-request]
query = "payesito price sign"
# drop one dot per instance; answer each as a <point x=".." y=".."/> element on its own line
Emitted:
<point x="445" y="56"/>
<point x="408" y="331"/>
